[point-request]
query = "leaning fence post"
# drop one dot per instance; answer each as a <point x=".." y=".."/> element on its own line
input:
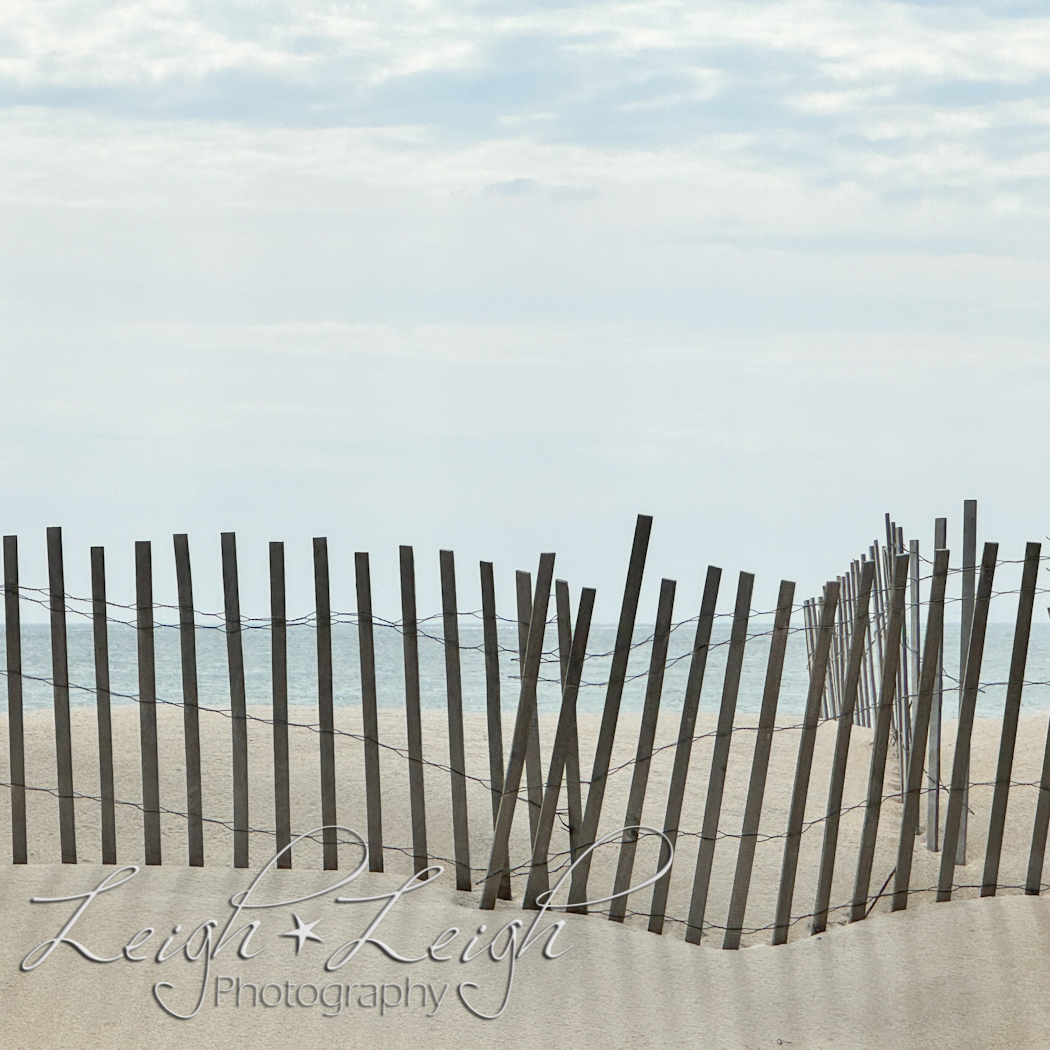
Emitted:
<point x="933" y="776"/>
<point x="1011" y="711"/>
<point x="325" y="703"/>
<point x="610" y="714"/>
<point x="804" y="766"/>
<point x="926" y="684"/>
<point x="15" y="730"/>
<point x="843" y="733"/>
<point x="413" y="719"/>
<point x="644" y="753"/>
<point x="880" y="745"/>
<point x="745" y="857"/>
<point x="60" y="680"/>
<point x="190" y="712"/>
<point x="969" y="575"/>
<point x="282" y="804"/>
<point x="971" y="684"/>
<point x="719" y="760"/>
<point x="573" y="796"/>
<point x="369" y="712"/>
<point x="684" y="747"/>
<point x="238" y="710"/>
<point x="100" y="639"/>
<point x="533" y="761"/>
<point x="1034" y="880"/>
<point x="494" y="715"/>
<point x="147" y="700"/>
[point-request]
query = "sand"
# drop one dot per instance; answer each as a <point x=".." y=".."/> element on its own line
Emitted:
<point x="954" y="975"/>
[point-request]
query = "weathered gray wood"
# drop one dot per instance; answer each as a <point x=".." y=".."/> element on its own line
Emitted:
<point x="190" y="709"/>
<point x="147" y="673"/>
<point x="499" y="858"/>
<point x="719" y="759"/>
<point x="238" y="704"/>
<point x="539" y="876"/>
<point x="756" y="789"/>
<point x="1034" y="879"/>
<point x="927" y="685"/>
<point x="843" y="731"/>
<point x="611" y="712"/>
<point x="880" y="745"/>
<point x="410" y="648"/>
<point x="15" y="726"/>
<point x="644" y="752"/>
<point x="933" y="761"/>
<point x="454" y="694"/>
<point x="533" y="762"/>
<point x="966" y="627"/>
<point x="369" y="712"/>
<point x="60" y="691"/>
<point x="282" y="800"/>
<point x="957" y="792"/>
<point x="684" y="746"/>
<point x="1011" y="713"/>
<point x="804" y="766"/>
<point x="573" y="794"/>
<point x="325" y="703"/>
<point x="490" y="638"/>
<point x="100" y="639"/>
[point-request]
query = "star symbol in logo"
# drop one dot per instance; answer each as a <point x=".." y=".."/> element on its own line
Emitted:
<point x="303" y="932"/>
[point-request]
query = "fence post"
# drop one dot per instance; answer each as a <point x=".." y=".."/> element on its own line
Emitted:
<point x="1034" y="880"/>
<point x="499" y="858"/>
<point x="756" y="789"/>
<point x="880" y="745"/>
<point x="238" y="709"/>
<point x="369" y="711"/>
<point x="533" y="762"/>
<point x="190" y="712"/>
<point x="279" y="685"/>
<point x="969" y="575"/>
<point x="100" y="640"/>
<point x="684" y="747"/>
<point x="410" y="648"/>
<point x="539" y="879"/>
<point x="1011" y="711"/>
<point x="15" y="729"/>
<point x="610" y="714"/>
<point x="60" y="688"/>
<point x="147" y="700"/>
<point x="804" y="765"/>
<point x="325" y="703"/>
<point x="968" y="702"/>
<point x="843" y="733"/>
<point x="573" y="795"/>
<point x="719" y="760"/>
<point x="933" y="777"/>
<point x="927" y="682"/>
<point x="494" y="714"/>
<point x="644" y="753"/>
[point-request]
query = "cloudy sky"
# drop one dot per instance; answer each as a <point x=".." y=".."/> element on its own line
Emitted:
<point x="497" y="277"/>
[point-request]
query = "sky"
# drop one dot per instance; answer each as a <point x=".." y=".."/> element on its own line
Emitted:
<point x="498" y="277"/>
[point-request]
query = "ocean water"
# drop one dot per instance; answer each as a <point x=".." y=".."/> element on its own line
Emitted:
<point x="302" y="668"/>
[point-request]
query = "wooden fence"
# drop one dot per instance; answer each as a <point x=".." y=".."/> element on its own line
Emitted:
<point x="873" y="663"/>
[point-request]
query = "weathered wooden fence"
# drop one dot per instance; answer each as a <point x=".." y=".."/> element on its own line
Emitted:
<point x="873" y="663"/>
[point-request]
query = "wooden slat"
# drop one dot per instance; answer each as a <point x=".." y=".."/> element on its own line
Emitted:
<point x="957" y="793"/>
<point x="539" y="876"/>
<point x="369" y="712"/>
<point x="454" y="695"/>
<point x="843" y="733"/>
<point x="282" y="803"/>
<point x="716" y="781"/>
<point x="100" y="639"/>
<point x="499" y="858"/>
<point x="60" y="692"/>
<point x="927" y="684"/>
<point x="533" y="763"/>
<point x="644" y="753"/>
<point x="933" y="761"/>
<point x="15" y="728"/>
<point x="147" y="669"/>
<point x="804" y="765"/>
<point x="1034" y="878"/>
<point x="413" y="719"/>
<point x="1011" y="713"/>
<point x="573" y="795"/>
<point x="611" y="712"/>
<point x="238" y="708"/>
<point x="325" y="703"/>
<point x="684" y="746"/>
<point x="969" y="575"/>
<point x="880" y="745"/>
<point x="190" y="709"/>
<point x="745" y="858"/>
<point x="490" y="640"/>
